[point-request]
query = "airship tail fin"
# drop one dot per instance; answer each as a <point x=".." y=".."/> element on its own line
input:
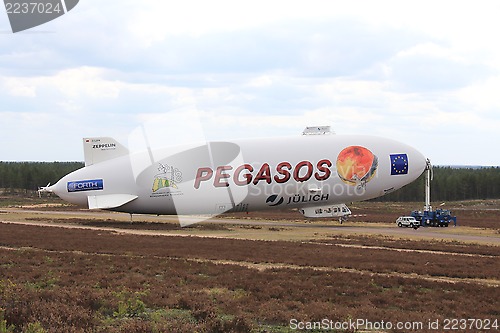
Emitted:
<point x="97" y="150"/>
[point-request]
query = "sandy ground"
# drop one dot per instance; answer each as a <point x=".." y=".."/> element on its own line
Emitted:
<point x="243" y="226"/>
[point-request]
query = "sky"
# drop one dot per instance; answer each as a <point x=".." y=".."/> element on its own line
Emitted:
<point x="425" y="73"/>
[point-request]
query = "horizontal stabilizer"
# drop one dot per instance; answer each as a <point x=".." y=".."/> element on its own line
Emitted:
<point x="109" y="200"/>
<point x="102" y="149"/>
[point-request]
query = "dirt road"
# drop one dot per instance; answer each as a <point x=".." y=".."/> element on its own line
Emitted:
<point x="43" y="217"/>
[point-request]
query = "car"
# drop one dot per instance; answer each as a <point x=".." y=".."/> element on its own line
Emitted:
<point x="407" y="221"/>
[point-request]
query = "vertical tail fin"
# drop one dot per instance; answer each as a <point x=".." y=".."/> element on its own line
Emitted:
<point x="97" y="150"/>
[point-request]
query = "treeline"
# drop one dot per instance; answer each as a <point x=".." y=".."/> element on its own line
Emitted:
<point x="452" y="184"/>
<point x="31" y="175"/>
<point x="449" y="184"/>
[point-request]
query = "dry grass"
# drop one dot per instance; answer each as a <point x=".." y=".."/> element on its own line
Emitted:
<point x="74" y="280"/>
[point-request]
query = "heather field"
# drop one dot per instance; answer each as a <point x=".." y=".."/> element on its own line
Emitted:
<point x="55" y="279"/>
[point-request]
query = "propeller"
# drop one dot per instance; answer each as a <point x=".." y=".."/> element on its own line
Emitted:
<point x="44" y="189"/>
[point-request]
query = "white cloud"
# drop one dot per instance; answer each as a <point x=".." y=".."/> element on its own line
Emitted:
<point x="258" y="69"/>
<point x="154" y="21"/>
<point x="429" y="49"/>
<point x="37" y="136"/>
<point x="19" y="88"/>
<point x="262" y="81"/>
<point x="81" y="82"/>
<point x="432" y="67"/>
<point x="85" y="82"/>
<point x="482" y="97"/>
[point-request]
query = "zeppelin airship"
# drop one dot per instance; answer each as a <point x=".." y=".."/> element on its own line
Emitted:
<point x="316" y="172"/>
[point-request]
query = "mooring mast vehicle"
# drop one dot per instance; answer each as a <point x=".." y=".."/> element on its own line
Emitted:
<point x="429" y="217"/>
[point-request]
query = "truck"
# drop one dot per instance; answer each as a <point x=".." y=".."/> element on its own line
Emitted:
<point x="434" y="218"/>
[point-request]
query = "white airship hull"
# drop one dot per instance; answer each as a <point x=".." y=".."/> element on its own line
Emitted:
<point x="242" y="175"/>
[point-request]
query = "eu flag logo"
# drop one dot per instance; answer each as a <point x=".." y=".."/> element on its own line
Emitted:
<point x="399" y="164"/>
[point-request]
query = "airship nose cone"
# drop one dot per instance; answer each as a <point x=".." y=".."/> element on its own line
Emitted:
<point x="419" y="162"/>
